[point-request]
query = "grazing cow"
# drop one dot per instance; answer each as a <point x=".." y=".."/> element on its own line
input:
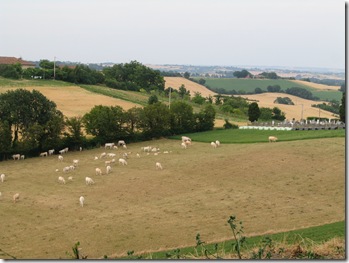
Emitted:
<point x="158" y="166"/>
<point x="122" y="161"/>
<point x="81" y="200"/>
<point x="16" y="156"/>
<point x="272" y="139"/>
<point x="213" y="144"/>
<point x="15" y="197"/>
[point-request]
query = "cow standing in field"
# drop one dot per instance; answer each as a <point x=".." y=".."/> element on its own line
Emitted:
<point x="272" y="139"/>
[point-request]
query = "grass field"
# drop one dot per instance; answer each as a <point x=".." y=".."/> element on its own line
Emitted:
<point x="272" y="188"/>
<point x="249" y="85"/>
<point x="254" y="136"/>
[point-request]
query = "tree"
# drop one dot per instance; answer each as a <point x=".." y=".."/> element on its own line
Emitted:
<point x="253" y="112"/>
<point x="198" y="99"/>
<point x="204" y="120"/>
<point x="5" y="138"/>
<point x="153" y="99"/>
<point x="258" y="90"/>
<point x="342" y="109"/>
<point x="182" y="91"/>
<point x="242" y="74"/>
<point x="74" y="134"/>
<point x="202" y="81"/>
<point x="106" y="123"/>
<point x="278" y="114"/>
<point x="133" y="120"/>
<point x="25" y="111"/>
<point x="186" y="75"/>
<point x="155" y="120"/>
<point x="266" y="114"/>
<point x="182" y="117"/>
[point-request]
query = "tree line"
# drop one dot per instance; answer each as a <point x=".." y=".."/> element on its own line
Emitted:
<point x="30" y="123"/>
<point x="129" y="76"/>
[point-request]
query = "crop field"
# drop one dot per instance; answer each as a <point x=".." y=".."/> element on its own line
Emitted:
<point x="271" y="187"/>
<point x="73" y="100"/>
<point x="249" y="85"/>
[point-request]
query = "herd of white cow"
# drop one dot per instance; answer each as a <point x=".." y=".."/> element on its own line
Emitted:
<point x="186" y="142"/>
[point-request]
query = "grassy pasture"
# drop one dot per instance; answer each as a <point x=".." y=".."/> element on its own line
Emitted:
<point x="272" y="188"/>
<point x="253" y="136"/>
<point x="249" y="85"/>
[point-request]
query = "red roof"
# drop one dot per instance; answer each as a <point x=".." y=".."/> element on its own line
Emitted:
<point x="13" y="60"/>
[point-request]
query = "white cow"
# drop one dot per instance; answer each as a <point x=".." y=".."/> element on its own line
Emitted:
<point x="16" y="156"/>
<point x="60" y="158"/>
<point x="184" y="145"/>
<point x="50" y="152"/>
<point x="272" y="139"/>
<point x="213" y="144"/>
<point x="2" y="177"/>
<point x="121" y="143"/>
<point x="15" y="197"/>
<point x="61" y="180"/>
<point x="81" y="200"/>
<point x="158" y="166"/>
<point x="108" y="169"/>
<point x="122" y="161"/>
<point x="109" y="145"/>
<point x="89" y="180"/>
<point x="98" y="171"/>
<point x="218" y="143"/>
<point x="185" y="138"/>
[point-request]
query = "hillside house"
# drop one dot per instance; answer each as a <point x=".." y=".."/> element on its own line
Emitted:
<point x="13" y="60"/>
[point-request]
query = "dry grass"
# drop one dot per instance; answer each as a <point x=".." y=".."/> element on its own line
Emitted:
<point x="292" y="111"/>
<point x="316" y="85"/>
<point x="176" y="82"/>
<point x="75" y="101"/>
<point x="139" y="208"/>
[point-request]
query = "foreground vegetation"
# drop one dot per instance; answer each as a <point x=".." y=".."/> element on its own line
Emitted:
<point x="296" y="244"/>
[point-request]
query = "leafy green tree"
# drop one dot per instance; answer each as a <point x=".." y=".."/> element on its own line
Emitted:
<point x="242" y="74"/>
<point x="105" y="123"/>
<point x="204" y="120"/>
<point x="133" y="119"/>
<point x="24" y="111"/>
<point x="202" y="81"/>
<point x="266" y="114"/>
<point x="258" y="90"/>
<point x="74" y="133"/>
<point x="218" y="99"/>
<point x="153" y="99"/>
<point x="186" y="75"/>
<point x="182" y="117"/>
<point x="155" y="120"/>
<point x="5" y="138"/>
<point x="342" y="109"/>
<point x="198" y="99"/>
<point x="253" y="112"/>
<point x="278" y="114"/>
<point x="274" y="88"/>
<point x="182" y="91"/>
<point x="11" y="71"/>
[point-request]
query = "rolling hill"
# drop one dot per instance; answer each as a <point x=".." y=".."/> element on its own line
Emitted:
<point x="264" y="99"/>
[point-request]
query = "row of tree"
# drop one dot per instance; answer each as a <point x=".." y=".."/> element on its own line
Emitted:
<point x="129" y="76"/>
<point x="30" y="123"/>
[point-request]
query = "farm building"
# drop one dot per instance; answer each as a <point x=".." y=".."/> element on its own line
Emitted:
<point x="13" y="60"/>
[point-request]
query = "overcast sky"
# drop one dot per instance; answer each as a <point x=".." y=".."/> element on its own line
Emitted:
<point x="295" y="33"/>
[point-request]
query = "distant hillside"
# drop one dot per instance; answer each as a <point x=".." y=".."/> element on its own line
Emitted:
<point x="176" y="82"/>
<point x="263" y="100"/>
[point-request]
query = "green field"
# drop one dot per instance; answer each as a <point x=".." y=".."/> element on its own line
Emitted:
<point x="254" y="136"/>
<point x="32" y="83"/>
<point x="317" y="234"/>
<point x="249" y="85"/>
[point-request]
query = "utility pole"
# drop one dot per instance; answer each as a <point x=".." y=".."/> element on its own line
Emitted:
<point x="169" y="98"/>
<point x="54" y="68"/>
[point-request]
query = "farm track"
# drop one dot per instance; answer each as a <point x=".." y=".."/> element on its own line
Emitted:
<point x="270" y="187"/>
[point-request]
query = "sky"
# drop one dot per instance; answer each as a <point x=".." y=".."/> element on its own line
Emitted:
<point x="294" y="33"/>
